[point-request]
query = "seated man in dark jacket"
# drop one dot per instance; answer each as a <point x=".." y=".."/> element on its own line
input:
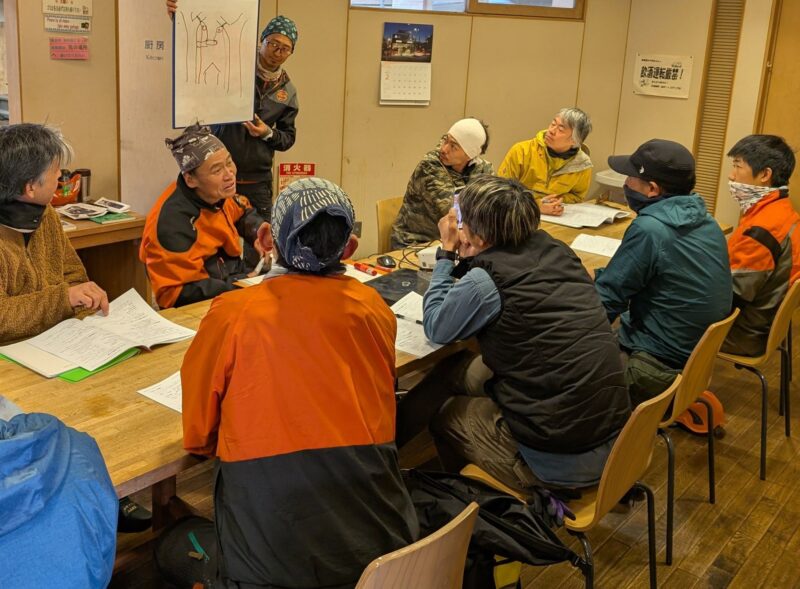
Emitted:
<point x="555" y="397"/>
<point x="670" y="278"/>
<point x="191" y="241"/>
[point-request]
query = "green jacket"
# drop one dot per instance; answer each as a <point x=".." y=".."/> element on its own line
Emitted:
<point x="669" y="280"/>
<point x="429" y="196"/>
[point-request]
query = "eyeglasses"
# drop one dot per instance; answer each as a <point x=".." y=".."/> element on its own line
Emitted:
<point x="279" y="48"/>
<point x="450" y="142"/>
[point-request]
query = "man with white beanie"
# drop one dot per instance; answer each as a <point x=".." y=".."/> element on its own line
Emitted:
<point x="441" y="174"/>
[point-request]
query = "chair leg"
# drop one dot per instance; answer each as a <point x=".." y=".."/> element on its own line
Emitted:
<point x="670" y="490"/>
<point x="789" y="348"/>
<point x="712" y="498"/>
<point x="782" y="400"/>
<point x="786" y="385"/>
<point x="757" y="372"/>
<point x="588" y="571"/>
<point x="651" y="531"/>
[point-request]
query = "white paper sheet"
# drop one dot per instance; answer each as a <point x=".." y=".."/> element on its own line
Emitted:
<point x="349" y="270"/>
<point x="80" y="344"/>
<point x="133" y="319"/>
<point x="168" y="392"/>
<point x="37" y="360"/>
<point x="99" y="339"/>
<point x="586" y="215"/>
<point x="411" y="339"/>
<point x="596" y="244"/>
<point x="409" y="307"/>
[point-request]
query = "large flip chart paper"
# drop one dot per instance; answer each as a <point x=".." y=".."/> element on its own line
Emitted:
<point x="214" y="61"/>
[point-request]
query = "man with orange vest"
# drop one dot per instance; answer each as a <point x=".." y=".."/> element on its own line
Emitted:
<point x="765" y="248"/>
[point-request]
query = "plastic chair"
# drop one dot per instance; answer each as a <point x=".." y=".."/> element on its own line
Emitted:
<point x="387" y="210"/>
<point x="776" y="340"/>
<point x="435" y="562"/>
<point x="627" y="462"/>
<point x="696" y="378"/>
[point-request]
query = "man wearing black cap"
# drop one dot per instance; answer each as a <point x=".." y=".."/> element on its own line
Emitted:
<point x="670" y="278"/>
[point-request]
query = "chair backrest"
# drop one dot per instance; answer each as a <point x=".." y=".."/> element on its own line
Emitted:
<point x="387" y="213"/>
<point x="780" y="324"/>
<point x="700" y="366"/>
<point x="631" y="453"/>
<point x="435" y="561"/>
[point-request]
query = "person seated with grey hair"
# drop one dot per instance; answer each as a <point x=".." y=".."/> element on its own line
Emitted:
<point x="546" y="399"/>
<point x="42" y="279"/>
<point x="553" y="164"/>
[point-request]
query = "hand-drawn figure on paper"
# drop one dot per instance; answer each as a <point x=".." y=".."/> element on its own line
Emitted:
<point x="214" y="48"/>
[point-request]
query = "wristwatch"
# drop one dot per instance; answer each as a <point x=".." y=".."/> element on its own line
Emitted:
<point x="442" y="254"/>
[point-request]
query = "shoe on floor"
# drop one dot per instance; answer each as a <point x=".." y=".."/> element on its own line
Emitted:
<point x="132" y="517"/>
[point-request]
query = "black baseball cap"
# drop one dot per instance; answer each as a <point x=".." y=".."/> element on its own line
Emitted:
<point x="659" y="160"/>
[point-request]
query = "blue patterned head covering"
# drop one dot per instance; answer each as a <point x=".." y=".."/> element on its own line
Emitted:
<point x="282" y="25"/>
<point x="297" y="205"/>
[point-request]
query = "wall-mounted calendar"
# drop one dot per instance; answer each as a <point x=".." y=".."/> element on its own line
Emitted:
<point x="406" y="64"/>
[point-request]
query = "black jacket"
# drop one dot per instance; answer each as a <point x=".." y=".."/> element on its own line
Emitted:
<point x="557" y="373"/>
<point x="276" y="105"/>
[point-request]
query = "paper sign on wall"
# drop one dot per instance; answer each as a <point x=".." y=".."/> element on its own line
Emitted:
<point x="289" y="172"/>
<point x="67" y="7"/>
<point x="663" y="75"/>
<point x="69" y="48"/>
<point x="67" y="24"/>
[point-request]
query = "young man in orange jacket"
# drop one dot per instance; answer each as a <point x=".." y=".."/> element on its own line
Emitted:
<point x="765" y="248"/>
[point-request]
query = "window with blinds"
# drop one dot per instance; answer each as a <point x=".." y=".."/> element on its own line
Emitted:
<point x="715" y="101"/>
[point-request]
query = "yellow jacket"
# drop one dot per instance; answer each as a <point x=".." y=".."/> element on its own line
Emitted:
<point x="529" y="162"/>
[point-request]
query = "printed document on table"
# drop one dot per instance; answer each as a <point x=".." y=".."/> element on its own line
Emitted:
<point x="82" y="345"/>
<point x="37" y="360"/>
<point x="168" y="392"/>
<point x="409" y="307"/>
<point x="586" y="215"/>
<point x="132" y="318"/>
<point x="596" y="244"/>
<point x="98" y="339"/>
<point x="411" y="339"/>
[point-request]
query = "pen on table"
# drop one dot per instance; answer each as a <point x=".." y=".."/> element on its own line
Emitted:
<point x="365" y="268"/>
<point x="417" y="321"/>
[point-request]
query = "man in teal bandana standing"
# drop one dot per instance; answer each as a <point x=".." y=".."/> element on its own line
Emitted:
<point x="253" y="144"/>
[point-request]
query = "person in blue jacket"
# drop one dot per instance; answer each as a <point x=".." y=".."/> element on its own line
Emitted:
<point x="59" y="508"/>
<point x="670" y="278"/>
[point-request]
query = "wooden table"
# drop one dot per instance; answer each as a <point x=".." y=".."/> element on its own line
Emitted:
<point x="141" y="440"/>
<point x="110" y="253"/>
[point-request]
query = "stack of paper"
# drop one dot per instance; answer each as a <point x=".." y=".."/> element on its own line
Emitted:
<point x="586" y="215"/>
<point x="97" y="340"/>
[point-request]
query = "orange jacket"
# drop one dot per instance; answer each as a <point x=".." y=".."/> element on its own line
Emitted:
<point x="765" y="260"/>
<point x="191" y="249"/>
<point x="298" y="362"/>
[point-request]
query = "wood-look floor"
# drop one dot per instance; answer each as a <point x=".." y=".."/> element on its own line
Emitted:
<point x="750" y="538"/>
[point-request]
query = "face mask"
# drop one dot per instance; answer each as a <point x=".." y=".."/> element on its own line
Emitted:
<point x="747" y="195"/>
<point x="637" y="201"/>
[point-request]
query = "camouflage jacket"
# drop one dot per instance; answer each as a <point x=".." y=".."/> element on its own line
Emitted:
<point x="429" y="196"/>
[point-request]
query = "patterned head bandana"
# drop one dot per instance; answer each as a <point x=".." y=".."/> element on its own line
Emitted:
<point x="282" y="25"/>
<point x="194" y="146"/>
<point x="747" y="194"/>
<point x="295" y="208"/>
